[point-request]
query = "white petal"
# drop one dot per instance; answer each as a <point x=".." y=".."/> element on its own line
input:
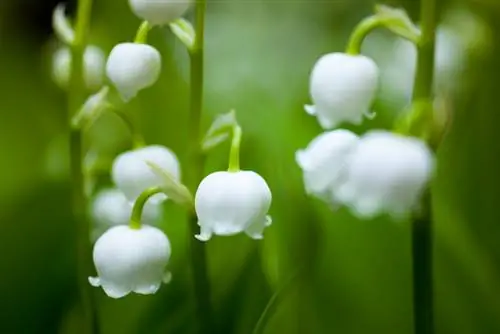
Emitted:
<point x="342" y="88"/>
<point x="226" y="202"/>
<point x="132" y="174"/>
<point x="115" y="291"/>
<point x="205" y="232"/>
<point x="130" y="259"/>
<point x="310" y="109"/>
<point x="159" y="12"/>
<point x="386" y="173"/>
<point x="323" y="161"/>
<point x="132" y="67"/>
<point x="147" y="289"/>
<point x="95" y="281"/>
<point x="256" y="229"/>
<point x="93" y="67"/>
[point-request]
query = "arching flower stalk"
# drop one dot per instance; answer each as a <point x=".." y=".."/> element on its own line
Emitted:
<point x="233" y="201"/>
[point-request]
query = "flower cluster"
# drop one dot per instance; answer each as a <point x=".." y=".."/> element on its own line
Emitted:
<point x="378" y="172"/>
<point x="130" y="259"/>
<point x="130" y="254"/>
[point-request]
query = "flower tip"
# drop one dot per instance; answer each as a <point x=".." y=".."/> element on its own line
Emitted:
<point x="268" y="221"/>
<point x="300" y="158"/>
<point x="204" y="235"/>
<point x="95" y="281"/>
<point x="310" y="109"/>
<point x="147" y="289"/>
<point x="167" y="277"/>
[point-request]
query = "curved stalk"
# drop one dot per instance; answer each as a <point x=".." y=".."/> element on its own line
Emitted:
<point x="135" y="218"/>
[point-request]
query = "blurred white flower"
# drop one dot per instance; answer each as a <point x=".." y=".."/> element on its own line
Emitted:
<point x="93" y="67"/>
<point x="323" y="161"/>
<point x="131" y="260"/>
<point x="228" y="203"/>
<point x="385" y="173"/>
<point x="132" y="174"/>
<point x="159" y="12"/>
<point x="342" y="88"/>
<point x="132" y="67"/>
<point x="110" y="207"/>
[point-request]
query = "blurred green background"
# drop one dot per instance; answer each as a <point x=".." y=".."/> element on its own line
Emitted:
<point x="354" y="276"/>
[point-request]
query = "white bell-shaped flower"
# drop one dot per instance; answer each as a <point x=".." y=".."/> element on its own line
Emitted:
<point x="131" y="260"/>
<point x="159" y="12"/>
<point x="110" y="207"/>
<point x="385" y="173"/>
<point x="93" y="67"/>
<point x="323" y="161"/>
<point x="342" y="88"/>
<point x="132" y="174"/>
<point x="132" y="67"/>
<point x="228" y="203"/>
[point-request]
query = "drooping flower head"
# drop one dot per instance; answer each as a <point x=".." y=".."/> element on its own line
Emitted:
<point x="228" y="203"/>
<point x="323" y="161"/>
<point x="342" y="88"/>
<point x="385" y="173"/>
<point x="131" y="260"/>
<point x="132" y="67"/>
<point x="110" y="207"/>
<point x="132" y="174"/>
<point x="93" y="67"/>
<point x="159" y="12"/>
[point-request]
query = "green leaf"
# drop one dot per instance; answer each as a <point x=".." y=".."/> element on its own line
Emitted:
<point x="398" y="21"/>
<point x="175" y="190"/>
<point x="184" y="30"/>
<point x="219" y="131"/>
<point x="91" y="109"/>
<point x="60" y="23"/>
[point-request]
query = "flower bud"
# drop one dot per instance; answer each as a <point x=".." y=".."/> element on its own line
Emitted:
<point x="228" y="203"/>
<point x="132" y="174"/>
<point x="93" y="67"/>
<point x="132" y="67"/>
<point x="159" y="12"/>
<point x="386" y="173"/>
<point x="110" y="207"/>
<point x="342" y="88"/>
<point x="131" y="260"/>
<point x="323" y="161"/>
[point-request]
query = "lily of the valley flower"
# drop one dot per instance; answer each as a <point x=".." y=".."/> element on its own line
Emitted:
<point x="385" y="173"/>
<point x="159" y="12"/>
<point x="228" y="203"/>
<point x="93" y="67"/>
<point x="110" y="207"/>
<point x="323" y="162"/>
<point x="342" y="88"/>
<point x="132" y="174"/>
<point x="132" y="67"/>
<point x="131" y="260"/>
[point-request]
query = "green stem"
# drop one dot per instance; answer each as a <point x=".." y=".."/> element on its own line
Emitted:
<point x="361" y="31"/>
<point x="136" y="136"/>
<point x="373" y="22"/>
<point x="234" y="154"/>
<point x="142" y="33"/>
<point x="423" y="310"/>
<point x="273" y="303"/>
<point x="75" y="100"/>
<point x="195" y="174"/>
<point x="135" y="218"/>
<point x="422" y="225"/>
